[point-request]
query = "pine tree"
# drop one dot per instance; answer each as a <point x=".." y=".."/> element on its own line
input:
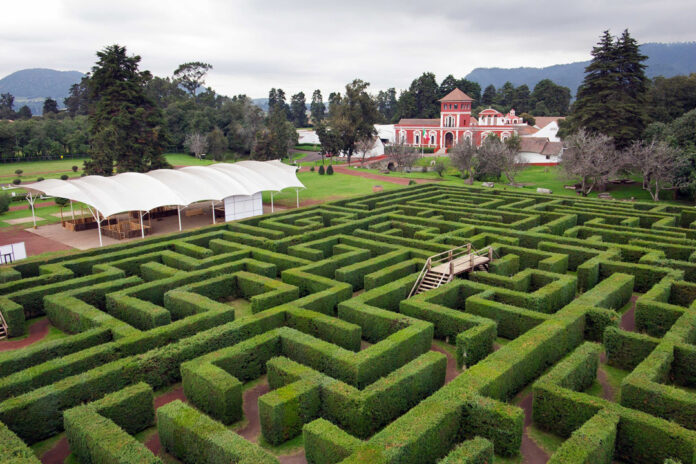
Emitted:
<point x="298" y="110"/>
<point x="317" y="108"/>
<point x="612" y="96"/>
<point x="126" y="127"/>
<point x="488" y="97"/>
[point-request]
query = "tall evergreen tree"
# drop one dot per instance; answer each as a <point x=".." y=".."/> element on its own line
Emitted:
<point x="298" y="110"/>
<point x="506" y="95"/>
<point x="425" y="93"/>
<point x="488" y="97"/>
<point x="522" y="99"/>
<point x="6" y="106"/>
<point x="387" y="104"/>
<point x="550" y="99"/>
<point x="317" y="108"/>
<point x="50" y="106"/>
<point x="126" y="127"/>
<point x="612" y="96"/>
<point x="77" y="103"/>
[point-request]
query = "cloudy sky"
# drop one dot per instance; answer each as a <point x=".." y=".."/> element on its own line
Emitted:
<point x="303" y="45"/>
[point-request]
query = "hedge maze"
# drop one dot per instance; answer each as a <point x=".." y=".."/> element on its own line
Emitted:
<point x="289" y="337"/>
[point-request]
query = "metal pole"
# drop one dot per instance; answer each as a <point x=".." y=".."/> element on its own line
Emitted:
<point x="31" y="202"/>
<point x="72" y="212"/>
<point x="271" y="202"/>
<point x="212" y="205"/>
<point x="99" y="229"/>
<point x="178" y="213"/>
<point x="142" y="229"/>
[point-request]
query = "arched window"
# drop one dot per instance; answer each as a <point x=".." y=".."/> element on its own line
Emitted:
<point x="416" y="138"/>
<point x="432" y="139"/>
<point x="402" y="136"/>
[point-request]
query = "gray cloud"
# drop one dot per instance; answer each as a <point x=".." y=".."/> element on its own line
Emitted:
<point x="304" y="45"/>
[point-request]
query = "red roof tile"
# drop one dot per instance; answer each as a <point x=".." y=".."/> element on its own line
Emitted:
<point x="543" y="121"/>
<point x="456" y="95"/>
<point x="419" y="122"/>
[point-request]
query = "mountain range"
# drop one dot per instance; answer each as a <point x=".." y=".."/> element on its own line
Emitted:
<point x="32" y="86"/>
<point x="664" y="59"/>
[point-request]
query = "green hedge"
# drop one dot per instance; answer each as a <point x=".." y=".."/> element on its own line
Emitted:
<point x="626" y="350"/>
<point x="194" y="437"/>
<point x="324" y="443"/>
<point x="593" y="443"/>
<point x="284" y="411"/>
<point x="13" y="450"/>
<point x="475" y="451"/>
<point x="212" y="390"/>
<point x="13" y="314"/>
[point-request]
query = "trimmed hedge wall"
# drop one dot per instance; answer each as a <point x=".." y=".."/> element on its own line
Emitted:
<point x="194" y="437"/>
<point x="13" y="450"/>
<point x="475" y="451"/>
<point x="213" y="391"/>
<point x="324" y="443"/>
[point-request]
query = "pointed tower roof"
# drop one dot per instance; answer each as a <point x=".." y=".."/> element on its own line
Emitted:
<point x="456" y="95"/>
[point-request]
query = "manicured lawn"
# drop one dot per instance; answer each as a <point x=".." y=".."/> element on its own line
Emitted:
<point x="30" y="168"/>
<point x="183" y="159"/>
<point x="325" y="188"/>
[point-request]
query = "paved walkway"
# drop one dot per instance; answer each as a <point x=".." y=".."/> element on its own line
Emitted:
<point x="35" y="244"/>
<point x="384" y="178"/>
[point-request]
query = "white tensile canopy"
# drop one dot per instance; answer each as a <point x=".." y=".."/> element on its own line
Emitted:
<point x="131" y="191"/>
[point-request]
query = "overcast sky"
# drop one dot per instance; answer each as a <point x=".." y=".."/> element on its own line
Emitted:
<point x="303" y="45"/>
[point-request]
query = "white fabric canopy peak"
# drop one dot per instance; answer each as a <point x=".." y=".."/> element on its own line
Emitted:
<point x="133" y="191"/>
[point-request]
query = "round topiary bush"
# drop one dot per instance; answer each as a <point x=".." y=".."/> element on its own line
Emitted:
<point x="39" y="179"/>
<point x="321" y="170"/>
<point x="64" y="177"/>
<point x="75" y="168"/>
<point x="18" y="172"/>
<point x="17" y="181"/>
<point x="311" y="169"/>
<point x="61" y="201"/>
<point x="329" y="170"/>
<point x="411" y="182"/>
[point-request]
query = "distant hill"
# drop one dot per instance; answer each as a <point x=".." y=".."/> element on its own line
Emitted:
<point x="32" y="86"/>
<point x="663" y="60"/>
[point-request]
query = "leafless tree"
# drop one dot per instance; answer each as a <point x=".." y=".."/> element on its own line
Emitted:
<point x="591" y="157"/>
<point x="196" y="144"/>
<point x="491" y="157"/>
<point x="464" y="157"/>
<point x="404" y="156"/>
<point x="511" y="164"/>
<point x="364" y="146"/>
<point x="658" y="163"/>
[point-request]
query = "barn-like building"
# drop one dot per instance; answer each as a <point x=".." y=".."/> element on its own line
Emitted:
<point x="456" y="123"/>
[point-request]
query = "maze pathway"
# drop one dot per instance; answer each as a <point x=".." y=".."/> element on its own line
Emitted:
<point x="291" y="338"/>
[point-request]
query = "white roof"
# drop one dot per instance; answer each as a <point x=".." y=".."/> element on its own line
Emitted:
<point x="132" y="191"/>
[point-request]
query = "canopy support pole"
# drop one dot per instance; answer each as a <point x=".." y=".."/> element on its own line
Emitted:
<point x="142" y="229"/>
<point x="271" y="202"/>
<point x="72" y="212"/>
<point x="212" y="206"/>
<point x="178" y="213"/>
<point x="96" y="218"/>
<point x="297" y="192"/>
<point x="31" y="199"/>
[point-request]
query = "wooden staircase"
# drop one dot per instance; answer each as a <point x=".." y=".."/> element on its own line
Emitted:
<point x="442" y="268"/>
<point x="3" y="327"/>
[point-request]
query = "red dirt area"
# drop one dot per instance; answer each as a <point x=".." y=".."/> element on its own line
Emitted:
<point x="607" y="390"/>
<point x="298" y="458"/>
<point x="36" y="205"/>
<point x="35" y="244"/>
<point x="452" y="371"/>
<point x="531" y="452"/>
<point x="153" y="443"/>
<point x="36" y="333"/>
<point x="369" y="175"/>
<point x="250" y="406"/>
<point x="57" y="454"/>
<point x="628" y="319"/>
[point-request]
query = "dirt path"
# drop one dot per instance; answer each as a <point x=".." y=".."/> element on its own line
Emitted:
<point x="298" y="458"/>
<point x="153" y="443"/>
<point x="628" y="319"/>
<point x="34" y="244"/>
<point x="607" y="390"/>
<point x="250" y="406"/>
<point x="58" y="454"/>
<point x="452" y="370"/>
<point x="531" y="452"/>
<point x="36" y="205"/>
<point x="368" y="175"/>
<point x="37" y="332"/>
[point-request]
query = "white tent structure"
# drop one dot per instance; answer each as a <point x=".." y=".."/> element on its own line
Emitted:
<point x="238" y="185"/>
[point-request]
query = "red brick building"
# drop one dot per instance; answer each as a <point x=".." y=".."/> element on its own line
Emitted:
<point x="455" y="123"/>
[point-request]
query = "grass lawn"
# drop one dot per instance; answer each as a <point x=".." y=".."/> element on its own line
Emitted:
<point x="325" y="188"/>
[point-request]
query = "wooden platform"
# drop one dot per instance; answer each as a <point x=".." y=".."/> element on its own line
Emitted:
<point x="465" y="263"/>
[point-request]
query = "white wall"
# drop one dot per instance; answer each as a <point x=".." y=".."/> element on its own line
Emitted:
<point x="529" y="157"/>
<point x="550" y="131"/>
<point x="243" y="206"/>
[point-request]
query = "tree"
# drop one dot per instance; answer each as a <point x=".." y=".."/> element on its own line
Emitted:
<point x="126" y="128"/>
<point x="425" y="92"/>
<point x="334" y="101"/>
<point x="276" y="100"/>
<point x="276" y="140"/>
<point x="197" y="144"/>
<point x="611" y="99"/>
<point x="191" y="76"/>
<point x="317" y="108"/>
<point x="217" y="144"/>
<point x="24" y="112"/>
<point x="488" y="97"/>
<point x="50" y="106"/>
<point x="6" y="106"/>
<point x="329" y="140"/>
<point x="298" y="110"/>
<point x="404" y="156"/>
<point x="510" y="162"/>
<point x="528" y="118"/>
<point x="496" y="158"/>
<point x="506" y="95"/>
<point x="364" y="146"/>
<point x="354" y="117"/>
<point x="522" y="99"/>
<point x="472" y="89"/>
<point x="591" y="157"/>
<point x="549" y="99"/>
<point x="658" y="163"/>
<point x="77" y="103"/>
<point x="669" y="98"/>
<point x="463" y="156"/>
<point x="387" y="104"/>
